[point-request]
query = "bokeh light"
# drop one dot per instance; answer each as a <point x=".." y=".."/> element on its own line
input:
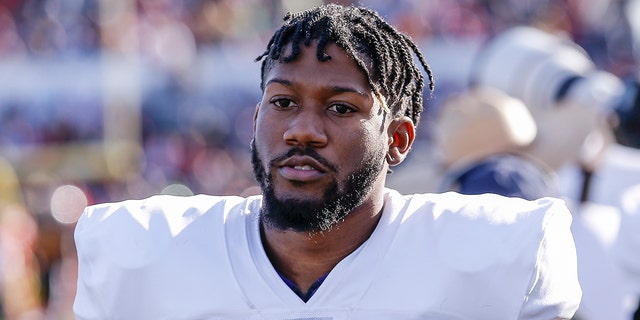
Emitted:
<point x="68" y="203"/>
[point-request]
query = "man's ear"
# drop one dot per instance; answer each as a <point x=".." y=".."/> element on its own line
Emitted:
<point x="402" y="133"/>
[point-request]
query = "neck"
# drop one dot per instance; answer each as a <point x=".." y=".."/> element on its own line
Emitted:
<point x="303" y="257"/>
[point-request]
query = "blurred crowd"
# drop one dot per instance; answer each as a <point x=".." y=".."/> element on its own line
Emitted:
<point x="176" y="83"/>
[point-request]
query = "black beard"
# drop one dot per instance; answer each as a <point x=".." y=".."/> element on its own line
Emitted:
<point x="314" y="215"/>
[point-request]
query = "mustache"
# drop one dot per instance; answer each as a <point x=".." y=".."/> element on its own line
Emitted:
<point x="306" y="151"/>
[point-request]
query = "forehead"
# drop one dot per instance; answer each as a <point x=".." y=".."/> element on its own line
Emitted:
<point x="340" y="68"/>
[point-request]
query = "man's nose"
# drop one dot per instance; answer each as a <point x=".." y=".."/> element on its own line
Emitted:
<point x="306" y="129"/>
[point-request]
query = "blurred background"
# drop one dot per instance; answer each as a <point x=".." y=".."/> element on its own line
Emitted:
<point x="105" y="100"/>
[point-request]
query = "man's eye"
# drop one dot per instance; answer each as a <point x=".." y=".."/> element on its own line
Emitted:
<point x="341" y="108"/>
<point x="283" y="103"/>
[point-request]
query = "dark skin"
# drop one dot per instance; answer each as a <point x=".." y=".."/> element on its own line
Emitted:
<point x="331" y="107"/>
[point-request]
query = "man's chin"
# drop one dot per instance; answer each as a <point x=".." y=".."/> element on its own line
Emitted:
<point x="299" y="197"/>
<point x="298" y="215"/>
<point x="302" y="211"/>
<point x="291" y="191"/>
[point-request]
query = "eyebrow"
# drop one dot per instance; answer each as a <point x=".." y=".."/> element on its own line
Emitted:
<point x="334" y="89"/>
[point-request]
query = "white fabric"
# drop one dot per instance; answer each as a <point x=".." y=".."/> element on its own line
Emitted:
<point x="618" y="171"/>
<point x="606" y="233"/>
<point x="627" y="245"/>
<point x="604" y="296"/>
<point x="432" y="256"/>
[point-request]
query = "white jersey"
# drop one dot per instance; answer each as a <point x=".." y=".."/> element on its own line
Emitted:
<point x="627" y="242"/>
<point x="605" y="229"/>
<point x="432" y="256"/>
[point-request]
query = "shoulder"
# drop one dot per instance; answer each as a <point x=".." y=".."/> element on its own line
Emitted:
<point x="480" y="230"/>
<point x="174" y="209"/>
<point x="527" y="242"/>
<point x="134" y="253"/>
<point x="115" y="227"/>
<point x="491" y="209"/>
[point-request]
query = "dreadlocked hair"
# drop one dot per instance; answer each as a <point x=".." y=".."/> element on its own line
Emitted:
<point x="367" y="38"/>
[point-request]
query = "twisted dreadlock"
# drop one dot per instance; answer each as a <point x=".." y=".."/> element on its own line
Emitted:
<point x="361" y="33"/>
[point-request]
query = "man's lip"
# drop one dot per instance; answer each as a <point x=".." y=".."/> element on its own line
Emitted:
<point x="300" y="161"/>
<point x="301" y="169"/>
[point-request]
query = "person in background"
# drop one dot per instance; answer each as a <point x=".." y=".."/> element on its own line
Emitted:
<point x="342" y="94"/>
<point x="481" y="135"/>
<point x="484" y="137"/>
<point x="20" y="289"/>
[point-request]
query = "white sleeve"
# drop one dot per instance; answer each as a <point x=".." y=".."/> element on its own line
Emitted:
<point x="555" y="291"/>
<point x="87" y="304"/>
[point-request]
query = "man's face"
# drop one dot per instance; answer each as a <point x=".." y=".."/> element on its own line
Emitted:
<point x="320" y="141"/>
